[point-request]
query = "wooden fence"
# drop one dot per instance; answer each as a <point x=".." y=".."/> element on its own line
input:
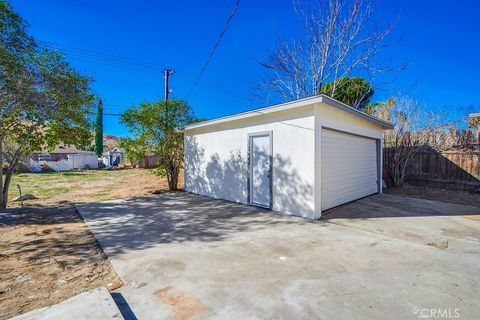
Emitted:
<point x="458" y="170"/>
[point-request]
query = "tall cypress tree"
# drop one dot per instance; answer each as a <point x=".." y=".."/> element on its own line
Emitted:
<point x="99" y="130"/>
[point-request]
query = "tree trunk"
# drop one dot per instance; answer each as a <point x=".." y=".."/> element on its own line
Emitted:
<point x="172" y="177"/>
<point x="8" y="178"/>
<point x="6" y="185"/>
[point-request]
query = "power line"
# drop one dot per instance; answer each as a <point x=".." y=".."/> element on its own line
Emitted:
<point x="130" y="64"/>
<point x="97" y="54"/>
<point x="115" y="65"/>
<point x="225" y="27"/>
<point x="96" y="57"/>
<point x="113" y="114"/>
<point x="217" y="86"/>
<point x="116" y="106"/>
<point x="115" y="110"/>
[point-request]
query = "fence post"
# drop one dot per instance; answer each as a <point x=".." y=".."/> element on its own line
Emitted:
<point x="20" y="191"/>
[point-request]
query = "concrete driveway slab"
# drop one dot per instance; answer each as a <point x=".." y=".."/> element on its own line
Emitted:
<point x="94" y="304"/>
<point x="183" y="256"/>
<point x="423" y="221"/>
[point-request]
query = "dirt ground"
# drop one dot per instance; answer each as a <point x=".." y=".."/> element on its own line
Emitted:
<point x="47" y="253"/>
<point x="453" y="196"/>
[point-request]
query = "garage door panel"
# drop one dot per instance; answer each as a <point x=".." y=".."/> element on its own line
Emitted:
<point x="350" y="195"/>
<point x="333" y="182"/>
<point x="349" y="168"/>
<point x="354" y="192"/>
<point x="346" y="189"/>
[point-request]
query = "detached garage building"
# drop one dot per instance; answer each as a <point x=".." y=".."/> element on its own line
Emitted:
<point x="300" y="157"/>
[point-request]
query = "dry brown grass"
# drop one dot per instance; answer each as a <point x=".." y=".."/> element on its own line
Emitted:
<point x="88" y="185"/>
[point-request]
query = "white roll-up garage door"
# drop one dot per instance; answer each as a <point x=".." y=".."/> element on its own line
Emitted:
<point x="349" y="168"/>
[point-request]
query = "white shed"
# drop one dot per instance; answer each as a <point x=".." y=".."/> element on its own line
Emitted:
<point x="300" y="157"/>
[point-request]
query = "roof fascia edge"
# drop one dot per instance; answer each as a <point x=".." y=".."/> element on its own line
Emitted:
<point x="291" y="105"/>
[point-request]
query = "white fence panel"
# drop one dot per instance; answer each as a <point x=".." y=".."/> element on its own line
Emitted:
<point x="57" y="166"/>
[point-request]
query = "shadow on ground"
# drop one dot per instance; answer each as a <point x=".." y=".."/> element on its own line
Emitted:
<point x="143" y="222"/>
<point x="390" y="206"/>
<point x="47" y="255"/>
<point x="140" y="223"/>
<point x="56" y="229"/>
<point x="123" y="306"/>
<point x="186" y="256"/>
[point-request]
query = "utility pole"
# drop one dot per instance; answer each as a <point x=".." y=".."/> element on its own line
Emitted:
<point x="167" y="73"/>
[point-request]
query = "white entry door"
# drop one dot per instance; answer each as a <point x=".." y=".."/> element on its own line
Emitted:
<point x="349" y="168"/>
<point x="260" y="169"/>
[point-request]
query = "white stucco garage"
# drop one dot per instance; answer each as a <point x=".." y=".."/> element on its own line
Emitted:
<point x="299" y="157"/>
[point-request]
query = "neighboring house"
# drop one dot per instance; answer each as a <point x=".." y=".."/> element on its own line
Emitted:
<point x="113" y="158"/>
<point x="64" y="158"/>
<point x="300" y="157"/>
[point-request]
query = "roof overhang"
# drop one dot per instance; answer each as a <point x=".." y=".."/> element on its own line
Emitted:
<point x="292" y="105"/>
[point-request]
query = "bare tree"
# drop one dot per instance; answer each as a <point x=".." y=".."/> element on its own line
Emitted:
<point x="417" y="128"/>
<point x="339" y="39"/>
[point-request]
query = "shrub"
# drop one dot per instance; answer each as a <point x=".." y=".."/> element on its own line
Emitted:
<point x="22" y="167"/>
<point x="46" y="168"/>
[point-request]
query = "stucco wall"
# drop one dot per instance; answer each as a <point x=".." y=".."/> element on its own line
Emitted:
<point x="216" y="160"/>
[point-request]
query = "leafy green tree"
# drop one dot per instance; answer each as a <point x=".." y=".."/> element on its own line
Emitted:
<point x="134" y="152"/>
<point x="43" y="101"/>
<point x="153" y="129"/>
<point x="354" y="91"/>
<point x="99" y="130"/>
<point x="16" y="47"/>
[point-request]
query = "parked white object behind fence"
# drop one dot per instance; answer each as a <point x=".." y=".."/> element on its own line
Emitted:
<point x="81" y="161"/>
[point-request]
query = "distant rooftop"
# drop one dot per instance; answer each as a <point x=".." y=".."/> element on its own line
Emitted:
<point x="64" y="149"/>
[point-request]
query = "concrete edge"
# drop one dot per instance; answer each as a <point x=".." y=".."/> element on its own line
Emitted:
<point x="93" y="304"/>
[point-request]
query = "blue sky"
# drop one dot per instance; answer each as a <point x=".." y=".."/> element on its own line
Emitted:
<point x="440" y="44"/>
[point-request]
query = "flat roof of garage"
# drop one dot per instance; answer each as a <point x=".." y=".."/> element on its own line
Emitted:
<point x="292" y="105"/>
